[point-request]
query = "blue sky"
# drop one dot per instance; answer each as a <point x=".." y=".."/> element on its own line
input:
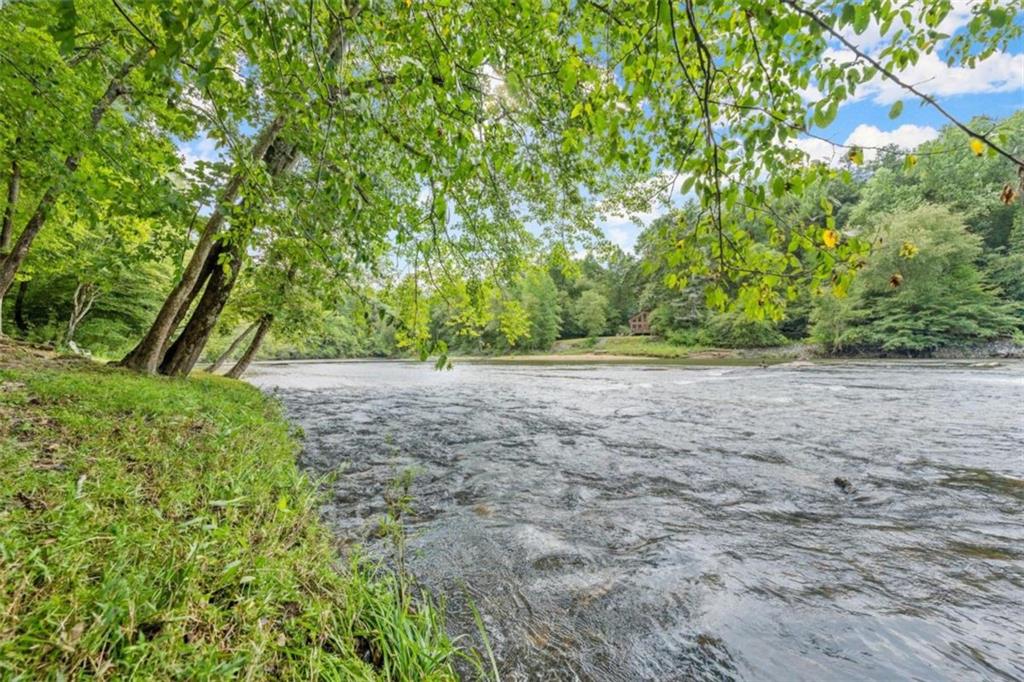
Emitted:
<point x="995" y="88"/>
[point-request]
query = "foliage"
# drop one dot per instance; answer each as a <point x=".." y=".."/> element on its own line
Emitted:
<point x="122" y="310"/>
<point x="591" y="313"/>
<point x="433" y="134"/>
<point x="921" y="289"/>
<point x="538" y="296"/>
<point x="163" y="530"/>
<point x="735" y="330"/>
<point x="946" y="172"/>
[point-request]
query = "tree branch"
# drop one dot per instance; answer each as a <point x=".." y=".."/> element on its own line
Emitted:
<point x="903" y="84"/>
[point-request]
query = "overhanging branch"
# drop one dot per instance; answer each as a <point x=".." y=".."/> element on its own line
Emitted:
<point x="903" y="84"/>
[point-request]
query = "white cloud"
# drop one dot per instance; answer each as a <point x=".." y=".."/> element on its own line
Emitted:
<point x="818" y="150"/>
<point x="624" y="236"/>
<point x="200" y="148"/>
<point x="872" y="38"/>
<point x="1002" y="72"/>
<point x="907" y="136"/>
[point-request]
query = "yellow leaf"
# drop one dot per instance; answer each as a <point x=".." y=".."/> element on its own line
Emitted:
<point x="977" y="146"/>
<point x="908" y="250"/>
<point x="282" y="503"/>
<point x="911" y="160"/>
<point x="831" y="238"/>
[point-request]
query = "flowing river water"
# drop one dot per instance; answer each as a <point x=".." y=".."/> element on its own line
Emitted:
<point x="667" y="522"/>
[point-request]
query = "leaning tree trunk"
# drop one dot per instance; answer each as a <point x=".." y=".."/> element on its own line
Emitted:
<point x="146" y="356"/>
<point x="197" y="288"/>
<point x="7" y="228"/>
<point x="183" y="354"/>
<point x="223" y="357"/>
<point x="185" y="351"/>
<point x="243" y="363"/>
<point x="16" y="257"/>
<point x="19" y="307"/>
<point x="13" y="190"/>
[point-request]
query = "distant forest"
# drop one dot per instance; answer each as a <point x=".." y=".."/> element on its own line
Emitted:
<point x="944" y="267"/>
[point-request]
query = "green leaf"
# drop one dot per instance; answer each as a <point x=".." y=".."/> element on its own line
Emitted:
<point x="824" y="115"/>
<point x="861" y="18"/>
<point x="896" y="110"/>
<point x="568" y="75"/>
<point x="64" y="30"/>
<point x="998" y="17"/>
<point x="778" y="186"/>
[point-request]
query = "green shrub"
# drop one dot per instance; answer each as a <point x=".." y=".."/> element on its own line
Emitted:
<point x="736" y="330"/>
<point x="686" y="337"/>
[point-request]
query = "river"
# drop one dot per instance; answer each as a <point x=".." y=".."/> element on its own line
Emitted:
<point x="667" y="522"/>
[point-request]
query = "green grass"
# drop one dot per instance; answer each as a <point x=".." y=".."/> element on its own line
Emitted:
<point x="643" y="346"/>
<point x="160" y="529"/>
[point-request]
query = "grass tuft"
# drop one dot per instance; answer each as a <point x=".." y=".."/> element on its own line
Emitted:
<point x="160" y="528"/>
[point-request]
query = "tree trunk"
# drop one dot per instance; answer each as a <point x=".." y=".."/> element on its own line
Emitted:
<point x="81" y="304"/>
<point x="16" y="257"/>
<point x="185" y="351"/>
<point x="180" y="358"/>
<point x="197" y="288"/>
<point x="223" y="357"/>
<point x="243" y="363"/>
<point x="19" y="307"/>
<point x="146" y="356"/>
<point x="13" y="189"/>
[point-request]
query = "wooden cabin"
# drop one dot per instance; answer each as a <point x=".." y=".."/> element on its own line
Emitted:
<point x="640" y="323"/>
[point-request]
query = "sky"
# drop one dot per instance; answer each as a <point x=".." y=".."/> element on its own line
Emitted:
<point x="994" y="88"/>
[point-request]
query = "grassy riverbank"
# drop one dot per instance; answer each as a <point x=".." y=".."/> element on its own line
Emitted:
<point x="615" y="348"/>
<point x="625" y="348"/>
<point x="160" y="528"/>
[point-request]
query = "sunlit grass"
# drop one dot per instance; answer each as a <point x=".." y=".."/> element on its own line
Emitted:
<point x="160" y="528"/>
<point x="645" y="346"/>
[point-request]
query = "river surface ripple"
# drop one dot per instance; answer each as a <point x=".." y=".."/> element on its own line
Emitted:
<point x="667" y="522"/>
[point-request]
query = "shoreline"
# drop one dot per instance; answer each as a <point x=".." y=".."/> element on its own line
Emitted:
<point x="609" y="359"/>
<point x="645" y="350"/>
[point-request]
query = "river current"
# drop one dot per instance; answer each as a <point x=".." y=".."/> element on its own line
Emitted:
<point x="841" y="521"/>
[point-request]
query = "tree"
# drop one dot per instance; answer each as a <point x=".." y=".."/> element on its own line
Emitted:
<point x="88" y="90"/>
<point x="945" y="172"/>
<point x="539" y="299"/>
<point x="440" y="131"/>
<point x="736" y="330"/>
<point x="920" y="290"/>
<point x="591" y="313"/>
